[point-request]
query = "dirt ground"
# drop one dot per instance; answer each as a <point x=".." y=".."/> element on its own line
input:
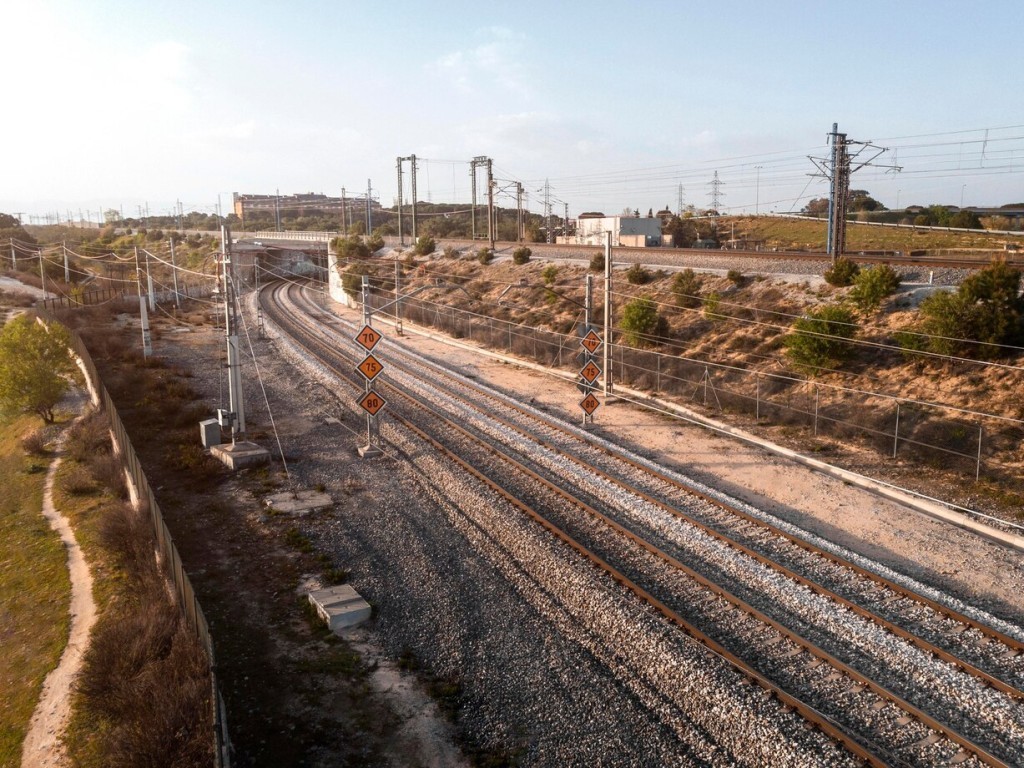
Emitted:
<point x="294" y="695"/>
<point x="987" y="575"/>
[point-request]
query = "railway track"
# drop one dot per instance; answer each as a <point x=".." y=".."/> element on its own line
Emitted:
<point x="669" y="256"/>
<point x="894" y="676"/>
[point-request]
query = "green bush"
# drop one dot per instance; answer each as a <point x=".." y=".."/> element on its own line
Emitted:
<point x="641" y="321"/>
<point x="375" y="242"/>
<point x="736" y="277"/>
<point x="425" y="246"/>
<point x="549" y="273"/>
<point x="597" y="262"/>
<point x="872" y="285"/>
<point x="821" y="338"/>
<point x="352" y="279"/>
<point x="711" y="304"/>
<point x="350" y="248"/>
<point x="485" y="255"/>
<point x="521" y="255"/>
<point x="986" y="308"/>
<point x="842" y="272"/>
<point x="638" y="275"/>
<point x="686" y="288"/>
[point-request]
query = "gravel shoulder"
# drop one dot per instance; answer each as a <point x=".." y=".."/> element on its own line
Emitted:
<point x="940" y="555"/>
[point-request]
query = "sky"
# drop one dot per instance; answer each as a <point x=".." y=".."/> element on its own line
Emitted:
<point x="125" y="104"/>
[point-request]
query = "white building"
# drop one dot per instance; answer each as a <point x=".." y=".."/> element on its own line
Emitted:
<point x="635" y="231"/>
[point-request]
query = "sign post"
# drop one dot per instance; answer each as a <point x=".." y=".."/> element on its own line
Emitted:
<point x="589" y="374"/>
<point x="370" y="368"/>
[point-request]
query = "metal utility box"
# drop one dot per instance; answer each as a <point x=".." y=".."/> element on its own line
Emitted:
<point x="209" y="432"/>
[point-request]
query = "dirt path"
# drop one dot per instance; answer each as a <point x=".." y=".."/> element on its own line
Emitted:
<point x="42" y="747"/>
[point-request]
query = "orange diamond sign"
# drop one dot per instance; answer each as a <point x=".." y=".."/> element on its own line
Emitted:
<point x="591" y="341"/>
<point x="367" y="338"/>
<point x="371" y="402"/>
<point x="590" y="372"/>
<point x="589" y="404"/>
<point x="370" y="367"/>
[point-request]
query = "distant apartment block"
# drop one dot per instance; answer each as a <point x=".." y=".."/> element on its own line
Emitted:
<point x="310" y="204"/>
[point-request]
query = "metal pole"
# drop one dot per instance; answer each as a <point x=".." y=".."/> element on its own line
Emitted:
<point x="237" y="404"/>
<point x="149" y="286"/>
<point x="412" y="163"/>
<point x="977" y="472"/>
<point x="42" y="274"/>
<point x="896" y="433"/>
<point x="401" y="234"/>
<point x="277" y="209"/>
<point x="369" y="213"/>
<point x="490" y="204"/>
<point x="174" y="275"/>
<point x="519" y="212"/>
<point x="14" y="257"/>
<point x="67" y="271"/>
<point x="472" y="207"/>
<point x="607" y="314"/>
<point x="816" y="390"/>
<point x="757" y="398"/>
<point x="344" y="212"/>
<point x="147" y="342"/>
<point x="398" y="300"/>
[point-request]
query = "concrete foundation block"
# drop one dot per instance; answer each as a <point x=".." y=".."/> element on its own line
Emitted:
<point x="340" y="606"/>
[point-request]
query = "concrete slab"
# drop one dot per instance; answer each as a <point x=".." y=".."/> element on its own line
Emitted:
<point x="240" y="455"/>
<point x="340" y="606"/>
<point x="298" y="502"/>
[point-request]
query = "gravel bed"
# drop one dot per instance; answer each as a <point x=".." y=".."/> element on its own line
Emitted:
<point x="968" y="705"/>
<point x="550" y="656"/>
<point x="720" y="262"/>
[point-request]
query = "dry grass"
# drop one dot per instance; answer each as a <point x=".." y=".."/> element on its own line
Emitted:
<point x="143" y="697"/>
<point x="34" y="590"/>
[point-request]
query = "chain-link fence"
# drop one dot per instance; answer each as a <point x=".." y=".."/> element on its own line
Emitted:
<point x="928" y="434"/>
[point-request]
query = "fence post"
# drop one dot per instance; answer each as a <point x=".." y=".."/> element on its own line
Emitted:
<point x="977" y="472"/>
<point x="816" y="390"/>
<point x="896" y="434"/>
<point x="657" y="380"/>
<point x="757" y="397"/>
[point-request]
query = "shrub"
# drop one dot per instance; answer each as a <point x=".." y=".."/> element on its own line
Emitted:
<point x="821" y="338"/>
<point x="872" y="285"/>
<point x="686" y="288"/>
<point x="521" y="255"/>
<point x="736" y="277"/>
<point x="842" y="272"/>
<point x="352" y="279"/>
<point x="374" y="242"/>
<point x="986" y="308"/>
<point x="641" y="320"/>
<point x="549" y="273"/>
<point x="350" y="248"/>
<point x="485" y="255"/>
<point x="34" y="444"/>
<point x="638" y="275"/>
<point x="77" y="481"/>
<point x="425" y="246"/>
<point x="450" y="253"/>
<point x="711" y="304"/>
<point x="597" y="262"/>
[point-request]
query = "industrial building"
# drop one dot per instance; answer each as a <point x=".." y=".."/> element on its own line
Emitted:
<point x="634" y="231"/>
<point x="310" y="204"/>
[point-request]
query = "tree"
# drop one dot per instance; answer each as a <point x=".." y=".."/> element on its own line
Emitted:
<point x="817" y="207"/>
<point x="682" y="231"/>
<point x="842" y="272"/>
<point x="860" y="200"/>
<point x="686" y="288"/>
<point x="641" y="321"/>
<point x="986" y="308"/>
<point x="425" y="245"/>
<point x="521" y="255"/>
<point x="820" y="338"/>
<point x="872" y="285"/>
<point x="35" y="366"/>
